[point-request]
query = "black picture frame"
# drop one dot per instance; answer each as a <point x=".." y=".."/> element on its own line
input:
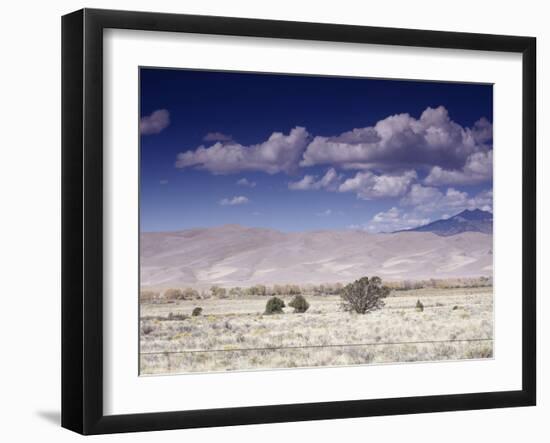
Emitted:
<point x="82" y="218"/>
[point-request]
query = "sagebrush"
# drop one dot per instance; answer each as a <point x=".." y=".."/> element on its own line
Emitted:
<point x="364" y="295"/>
<point x="274" y="306"/>
<point x="299" y="303"/>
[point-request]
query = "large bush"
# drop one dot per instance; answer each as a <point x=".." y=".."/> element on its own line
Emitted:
<point x="299" y="303"/>
<point x="190" y="294"/>
<point x="236" y="292"/>
<point x="364" y="295"/>
<point x="172" y="294"/>
<point x="218" y="292"/>
<point x="274" y="306"/>
<point x="257" y="290"/>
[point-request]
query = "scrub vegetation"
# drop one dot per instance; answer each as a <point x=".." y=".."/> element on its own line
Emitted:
<point x="364" y="322"/>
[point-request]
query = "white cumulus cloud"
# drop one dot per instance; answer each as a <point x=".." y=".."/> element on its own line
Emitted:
<point x="237" y="200"/>
<point x="245" y="182"/>
<point x="329" y="181"/>
<point x="154" y="123"/>
<point x="398" y="140"/>
<point x="427" y="199"/>
<point x="423" y="204"/>
<point x="478" y="169"/>
<point x="368" y="185"/>
<point x="420" y="195"/>
<point x="279" y="153"/>
<point x="394" y="219"/>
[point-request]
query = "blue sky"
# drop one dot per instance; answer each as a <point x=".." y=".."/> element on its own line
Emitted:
<point x="299" y="153"/>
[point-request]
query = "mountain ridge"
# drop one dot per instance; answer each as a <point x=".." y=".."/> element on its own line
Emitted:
<point x="469" y="220"/>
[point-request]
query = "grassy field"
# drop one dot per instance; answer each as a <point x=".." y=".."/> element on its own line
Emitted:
<point x="233" y="334"/>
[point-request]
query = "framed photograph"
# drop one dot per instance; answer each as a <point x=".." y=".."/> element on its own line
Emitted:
<point x="269" y="221"/>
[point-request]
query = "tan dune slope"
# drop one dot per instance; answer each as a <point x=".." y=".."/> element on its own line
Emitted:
<point x="233" y="255"/>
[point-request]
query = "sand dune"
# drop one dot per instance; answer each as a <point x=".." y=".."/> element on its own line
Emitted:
<point x="233" y="255"/>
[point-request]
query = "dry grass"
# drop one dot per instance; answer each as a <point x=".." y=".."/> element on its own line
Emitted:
<point x="232" y="334"/>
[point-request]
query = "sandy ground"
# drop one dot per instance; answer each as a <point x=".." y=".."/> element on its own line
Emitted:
<point x="233" y="255"/>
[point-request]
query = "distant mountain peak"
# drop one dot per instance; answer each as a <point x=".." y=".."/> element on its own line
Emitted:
<point x="469" y="220"/>
<point x="475" y="214"/>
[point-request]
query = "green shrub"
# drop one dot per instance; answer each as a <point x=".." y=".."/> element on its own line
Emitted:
<point x="197" y="311"/>
<point x="419" y="306"/>
<point x="299" y="303"/>
<point x="364" y="295"/>
<point x="274" y="306"/>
